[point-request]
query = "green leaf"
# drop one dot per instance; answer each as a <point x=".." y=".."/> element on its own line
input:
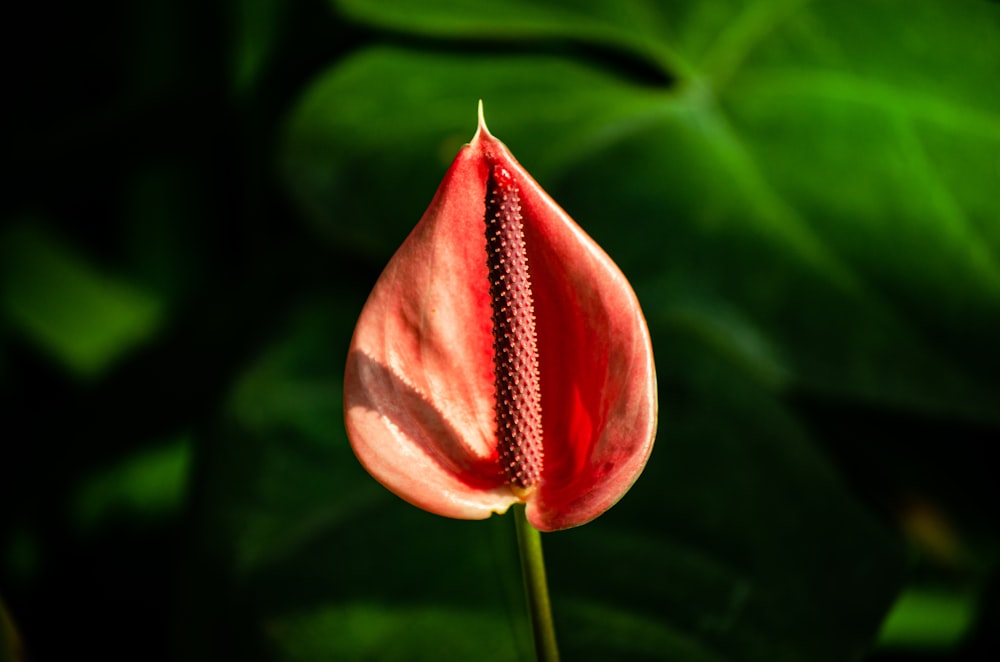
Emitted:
<point x="823" y="182"/>
<point x="802" y="195"/>
<point x="83" y="317"/>
<point x="739" y="535"/>
<point x="148" y="485"/>
<point x="346" y="135"/>
<point x="630" y="25"/>
<point x="358" y="631"/>
<point x="739" y="541"/>
<point x="929" y="619"/>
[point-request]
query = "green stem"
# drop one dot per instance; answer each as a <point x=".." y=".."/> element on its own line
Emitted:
<point x="529" y="544"/>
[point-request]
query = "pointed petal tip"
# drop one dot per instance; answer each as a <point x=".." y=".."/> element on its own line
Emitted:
<point x="482" y="129"/>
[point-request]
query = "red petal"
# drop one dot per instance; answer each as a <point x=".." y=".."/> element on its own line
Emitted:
<point x="419" y="383"/>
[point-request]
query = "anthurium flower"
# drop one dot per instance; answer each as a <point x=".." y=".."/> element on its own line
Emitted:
<point x="502" y="357"/>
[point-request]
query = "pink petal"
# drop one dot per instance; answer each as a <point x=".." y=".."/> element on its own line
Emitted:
<point x="419" y="383"/>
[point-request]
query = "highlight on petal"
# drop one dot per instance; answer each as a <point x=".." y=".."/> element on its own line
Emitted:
<point x="425" y="409"/>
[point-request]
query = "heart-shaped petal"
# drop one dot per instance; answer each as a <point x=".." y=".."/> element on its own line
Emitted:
<point x="420" y="387"/>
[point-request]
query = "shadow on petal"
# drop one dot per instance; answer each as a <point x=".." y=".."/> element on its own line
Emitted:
<point x="419" y="421"/>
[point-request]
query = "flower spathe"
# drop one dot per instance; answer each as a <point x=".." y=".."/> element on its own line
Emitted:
<point x="451" y="349"/>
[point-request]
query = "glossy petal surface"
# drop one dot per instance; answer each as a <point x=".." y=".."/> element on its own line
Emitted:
<point x="419" y="403"/>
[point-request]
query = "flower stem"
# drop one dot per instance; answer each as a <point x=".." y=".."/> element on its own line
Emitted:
<point x="529" y="544"/>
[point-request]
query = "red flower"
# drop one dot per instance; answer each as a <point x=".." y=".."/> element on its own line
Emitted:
<point x="501" y="357"/>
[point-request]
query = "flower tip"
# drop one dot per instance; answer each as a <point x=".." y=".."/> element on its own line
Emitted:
<point x="482" y="128"/>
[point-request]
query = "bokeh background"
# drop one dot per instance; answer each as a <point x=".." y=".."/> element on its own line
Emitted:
<point x="197" y="198"/>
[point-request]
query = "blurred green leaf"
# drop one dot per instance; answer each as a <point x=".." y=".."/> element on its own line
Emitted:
<point x="84" y="318"/>
<point x="800" y="194"/>
<point x="148" y="485"/>
<point x="822" y="181"/>
<point x="394" y="633"/>
<point x="349" y="135"/>
<point x="739" y="536"/>
<point x="257" y="24"/>
<point x="739" y="541"/>
<point x="630" y="25"/>
<point x="927" y="618"/>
